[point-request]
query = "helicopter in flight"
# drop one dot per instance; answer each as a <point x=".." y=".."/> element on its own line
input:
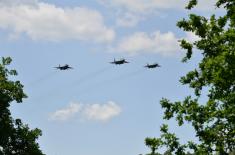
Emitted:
<point x="152" y="65"/>
<point x="65" y="67"/>
<point x="119" y="62"/>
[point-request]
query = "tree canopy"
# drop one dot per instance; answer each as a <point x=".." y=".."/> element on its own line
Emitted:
<point x="214" y="120"/>
<point x="16" y="138"/>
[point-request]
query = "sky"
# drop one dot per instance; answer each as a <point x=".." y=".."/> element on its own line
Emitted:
<point x="97" y="108"/>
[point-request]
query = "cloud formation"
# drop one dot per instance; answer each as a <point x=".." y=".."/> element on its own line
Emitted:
<point x="100" y="112"/>
<point x="147" y="6"/>
<point x="156" y="42"/>
<point x="18" y="2"/>
<point x="191" y="37"/>
<point x="66" y="113"/>
<point x="90" y="112"/>
<point x="143" y="6"/>
<point x="128" y="19"/>
<point x="43" y="21"/>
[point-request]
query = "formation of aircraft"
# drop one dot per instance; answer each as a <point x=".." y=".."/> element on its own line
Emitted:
<point x="152" y="65"/>
<point x="119" y="62"/>
<point x="64" y="67"/>
<point x="116" y="62"/>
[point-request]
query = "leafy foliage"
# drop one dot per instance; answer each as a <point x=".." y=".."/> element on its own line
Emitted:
<point x="214" y="120"/>
<point x="15" y="137"/>
<point x="153" y="143"/>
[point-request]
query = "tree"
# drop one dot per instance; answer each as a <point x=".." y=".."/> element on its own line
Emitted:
<point x="214" y="120"/>
<point x="15" y="137"/>
<point x="153" y="144"/>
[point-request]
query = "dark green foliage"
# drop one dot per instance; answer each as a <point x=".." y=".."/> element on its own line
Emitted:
<point x="15" y="137"/>
<point x="213" y="120"/>
<point x="153" y="143"/>
<point x="191" y="4"/>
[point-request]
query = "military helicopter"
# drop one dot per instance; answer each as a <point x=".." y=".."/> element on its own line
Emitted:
<point x="152" y="65"/>
<point x="119" y="62"/>
<point x="65" y="67"/>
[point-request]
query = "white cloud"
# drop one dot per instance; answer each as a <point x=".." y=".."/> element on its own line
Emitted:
<point x="18" y="2"/>
<point x="131" y="12"/>
<point x="93" y="112"/>
<point x="146" y="6"/>
<point x="66" y="113"/>
<point x="100" y="112"/>
<point x="141" y="42"/>
<point x="190" y="36"/>
<point x="128" y="20"/>
<point x="43" y="21"/>
<point x="166" y="44"/>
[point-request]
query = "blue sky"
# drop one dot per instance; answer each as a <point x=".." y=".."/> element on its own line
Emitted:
<point x="97" y="108"/>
